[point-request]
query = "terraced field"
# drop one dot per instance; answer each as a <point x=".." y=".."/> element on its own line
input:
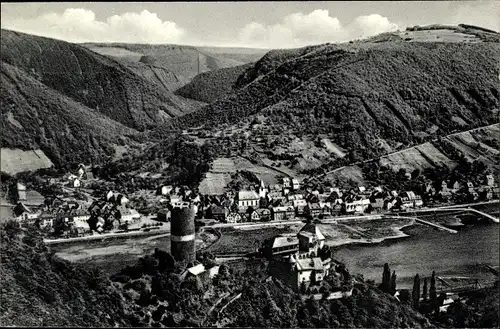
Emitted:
<point x="14" y="161"/>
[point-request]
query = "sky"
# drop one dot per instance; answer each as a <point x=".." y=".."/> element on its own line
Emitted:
<point x="238" y="24"/>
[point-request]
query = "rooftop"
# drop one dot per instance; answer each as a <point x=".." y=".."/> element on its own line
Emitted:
<point x="309" y="264"/>
<point x="282" y="241"/>
<point x="247" y="195"/>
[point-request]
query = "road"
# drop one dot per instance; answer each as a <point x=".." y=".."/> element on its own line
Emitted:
<point x="165" y="231"/>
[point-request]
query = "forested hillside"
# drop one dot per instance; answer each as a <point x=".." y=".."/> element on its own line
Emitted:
<point x="35" y="116"/>
<point x="181" y="60"/>
<point x="93" y="80"/>
<point x="40" y="289"/>
<point x="210" y="86"/>
<point x="366" y="93"/>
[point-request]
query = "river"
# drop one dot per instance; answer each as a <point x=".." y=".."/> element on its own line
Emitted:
<point x="425" y="250"/>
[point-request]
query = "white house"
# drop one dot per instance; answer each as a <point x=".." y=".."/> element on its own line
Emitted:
<point x="248" y="199"/>
<point x="295" y="184"/>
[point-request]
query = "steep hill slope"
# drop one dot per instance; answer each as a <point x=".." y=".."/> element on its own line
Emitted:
<point x="39" y="289"/>
<point x="96" y="81"/>
<point x="182" y="61"/>
<point x="366" y="94"/>
<point x="209" y="86"/>
<point x="35" y="116"/>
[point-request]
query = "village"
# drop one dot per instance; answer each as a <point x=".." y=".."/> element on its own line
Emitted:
<point x="78" y="213"/>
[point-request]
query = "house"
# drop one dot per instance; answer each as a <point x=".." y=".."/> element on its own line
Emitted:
<point x="411" y="200"/>
<point x="127" y="215"/>
<point x="357" y="206"/>
<point x="22" y="212"/>
<point x="254" y="216"/>
<point x="445" y="192"/>
<point x="164" y="215"/>
<point x="490" y="180"/>
<point x="361" y="189"/>
<point x="377" y="204"/>
<point x="76" y="183"/>
<point x="286" y="183"/>
<point x="200" y="273"/>
<point x="21" y="192"/>
<point x="165" y="190"/>
<point x="233" y="217"/>
<point x="292" y="197"/>
<point x="280" y="245"/>
<point x="295" y="184"/>
<point x="310" y="239"/>
<point x="264" y="214"/>
<point x="286" y="190"/>
<point x="218" y="213"/>
<point x="326" y="208"/>
<point x="299" y="206"/>
<point x="299" y="271"/>
<point x="455" y="186"/>
<point x="313" y="209"/>
<point x="248" y="199"/>
<point x="336" y="209"/>
<point x="283" y="213"/>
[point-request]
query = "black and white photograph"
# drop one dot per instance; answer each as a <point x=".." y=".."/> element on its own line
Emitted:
<point x="274" y="164"/>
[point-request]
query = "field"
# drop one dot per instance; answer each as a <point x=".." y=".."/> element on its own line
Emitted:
<point x="249" y="240"/>
<point x="347" y="173"/>
<point x="331" y="147"/>
<point x="363" y="231"/>
<point x="14" y="161"/>
<point x="418" y="157"/>
<point x="214" y="183"/>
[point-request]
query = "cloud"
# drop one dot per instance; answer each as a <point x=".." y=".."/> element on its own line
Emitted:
<point x="316" y="27"/>
<point x="480" y="13"/>
<point x="80" y="25"/>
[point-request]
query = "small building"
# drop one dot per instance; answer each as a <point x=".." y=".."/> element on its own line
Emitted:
<point x="377" y="204"/>
<point x="280" y="245"/>
<point x="490" y="180"/>
<point x="299" y="205"/>
<point x="233" y="217"/>
<point x="218" y="213"/>
<point x="21" y="192"/>
<point x="264" y="214"/>
<point x="295" y="184"/>
<point x="127" y="215"/>
<point x="254" y="216"/>
<point x="313" y="210"/>
<point x="76" y="183"/>
<point x="286" y="183"/>
<point x="248" y="199"/>
<point x="454" y="186"/>
<point x="283" y="213"/>
<point x="164" y="215"/>
<point x="22" y="212"/>
<point x="310" y="239"/>
<point x="165" y="190"/>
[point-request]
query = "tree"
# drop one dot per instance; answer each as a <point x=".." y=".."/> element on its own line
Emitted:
<point x="416" y="292"/>
<point x="386" y="278"/>
<point x="393" y="283"/>
<point x="424" y="292"/>
<point x="432" y="292"/>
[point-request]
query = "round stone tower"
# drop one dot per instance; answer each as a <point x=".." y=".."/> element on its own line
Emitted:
<point x="182" y="234"/>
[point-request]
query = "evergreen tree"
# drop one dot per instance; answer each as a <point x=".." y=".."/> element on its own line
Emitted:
<point x="416" y="292"/>
<point x="424" y="292"/>
<point x="386" y="279"/>
<point x="432" y="291"/>
<point x="393" y="283"/>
